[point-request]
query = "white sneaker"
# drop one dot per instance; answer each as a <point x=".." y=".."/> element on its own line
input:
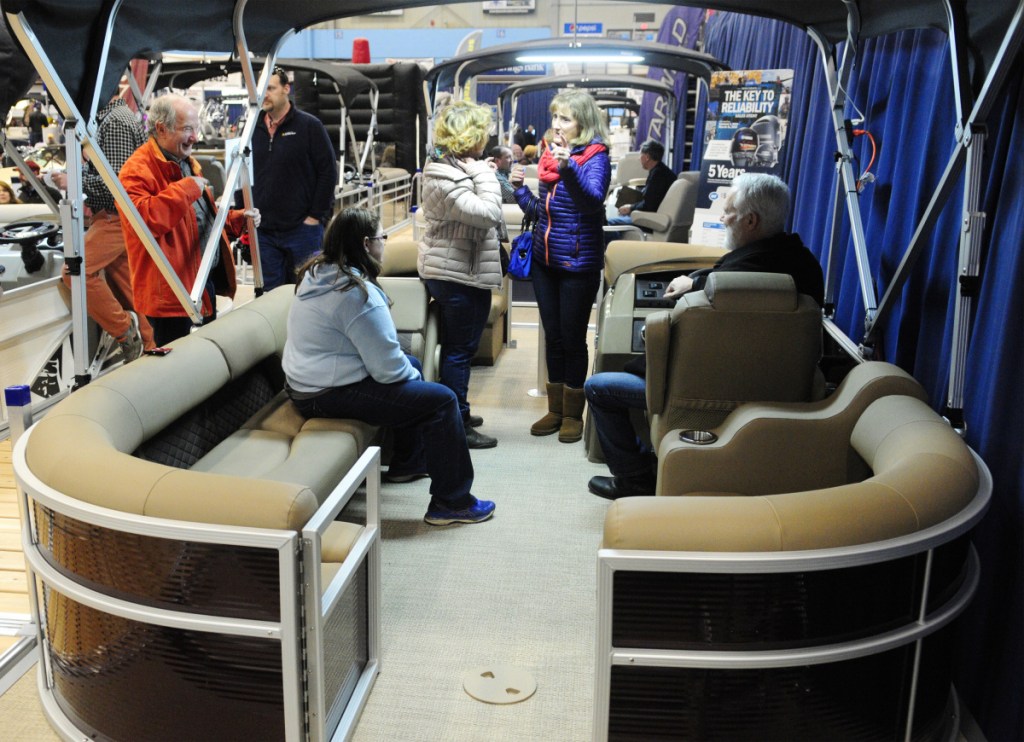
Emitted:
<point x="131" y="341"/>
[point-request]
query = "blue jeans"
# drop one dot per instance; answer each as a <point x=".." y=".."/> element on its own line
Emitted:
<point x="283" y="252"/>
<point x="464" y="311"/>
<point x="611" y="396"/>
<point x="565" y="299"/>
<point x="424" y="418"/>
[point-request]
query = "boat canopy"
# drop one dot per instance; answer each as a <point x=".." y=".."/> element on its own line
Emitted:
<point x="597" y="83"/>
<point x="81" y="48"/>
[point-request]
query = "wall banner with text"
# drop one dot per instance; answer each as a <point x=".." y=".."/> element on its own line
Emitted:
<point x="745" y="131"/>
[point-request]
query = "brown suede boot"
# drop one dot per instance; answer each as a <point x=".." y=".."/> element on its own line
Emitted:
<point x="552" y="421"/>
<point x="572" y="415"/>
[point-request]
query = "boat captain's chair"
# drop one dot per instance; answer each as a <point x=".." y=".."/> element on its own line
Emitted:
<point x="628" y="169"/>
<point x="747" y="337"/>
<point x="673" y="219"/>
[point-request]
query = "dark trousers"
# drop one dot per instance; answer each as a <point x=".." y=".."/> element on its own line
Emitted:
<point x="464" y="311"/>
<point x="565" y="299"/>
<point x="283" y="252"/>
<point x="166" y="329"/>
<point x="427" y="426"/>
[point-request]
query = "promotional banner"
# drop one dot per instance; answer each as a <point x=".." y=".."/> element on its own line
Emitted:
<point x="745" y="131"/>
<point x="681" y="27"/>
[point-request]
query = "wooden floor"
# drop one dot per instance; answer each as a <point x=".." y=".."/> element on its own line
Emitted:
<point x="13" y="586"/>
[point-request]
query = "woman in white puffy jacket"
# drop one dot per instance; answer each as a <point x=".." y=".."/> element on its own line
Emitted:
<point x="459" y="256"/>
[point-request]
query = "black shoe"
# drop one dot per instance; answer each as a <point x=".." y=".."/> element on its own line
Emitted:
<point x="476" y="439"/>
<point x="400" y="478"/>
<point x="473" y="421"/>
<point x="612" y="488"/>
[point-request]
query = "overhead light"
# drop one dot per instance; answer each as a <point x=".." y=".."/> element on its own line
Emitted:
<point x="607" y="58"/>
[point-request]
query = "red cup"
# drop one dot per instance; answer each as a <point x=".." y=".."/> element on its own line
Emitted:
<point x="361" y="51"/>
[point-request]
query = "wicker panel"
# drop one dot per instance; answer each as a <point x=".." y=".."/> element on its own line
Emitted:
<point x="120" y="679"/>
<point x="863" y="699"/>
<point x="658" y="610"/>
<point x="232" y="581"/>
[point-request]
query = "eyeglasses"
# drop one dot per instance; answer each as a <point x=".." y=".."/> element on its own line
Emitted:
<point x="381" y="237"/>
<point x="282" y="75"/>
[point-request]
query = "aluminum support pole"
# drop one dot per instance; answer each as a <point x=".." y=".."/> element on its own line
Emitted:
<point x="968" y="281"/>
<point x="1000" y="68"/>
<point x="64" y="102"/>
<point x="72" y="221"/>
<point x="846" y="179"/>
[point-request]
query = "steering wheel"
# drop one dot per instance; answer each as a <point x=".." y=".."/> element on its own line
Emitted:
<point x="28" y="233"/>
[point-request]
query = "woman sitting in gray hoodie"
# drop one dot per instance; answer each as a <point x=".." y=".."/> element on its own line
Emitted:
<point x="342" y="360"/>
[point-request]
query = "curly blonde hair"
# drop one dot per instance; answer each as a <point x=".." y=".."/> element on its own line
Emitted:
<point x="462" y="128"/>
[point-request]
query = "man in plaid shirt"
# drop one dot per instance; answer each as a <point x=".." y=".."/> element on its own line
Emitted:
<point x="107" y="277"/>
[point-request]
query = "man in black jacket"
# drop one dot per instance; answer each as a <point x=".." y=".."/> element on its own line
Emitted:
<point x="659" y="179"/>
<point x="754" y="216"/>
<point x="293" y="185"/>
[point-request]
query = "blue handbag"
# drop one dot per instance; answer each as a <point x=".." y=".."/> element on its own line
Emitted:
<point x="522" y="249"/>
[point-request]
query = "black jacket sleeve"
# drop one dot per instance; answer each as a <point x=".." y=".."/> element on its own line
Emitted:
<point x="659" y="181"/>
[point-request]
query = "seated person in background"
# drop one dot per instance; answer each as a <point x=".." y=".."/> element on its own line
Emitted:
<point x="754" y="216"/>
<point x="501" y="161"/>
<point x="517" y="154"/>
<point x="29" y="195"/>
<point x="7" y="194"/>
<point x="342" y="360"/>
<point x="659" y="179"/>
<point x="529" y="155"/>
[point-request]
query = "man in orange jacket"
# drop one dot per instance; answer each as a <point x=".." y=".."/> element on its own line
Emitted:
<point x="167" y="187"/>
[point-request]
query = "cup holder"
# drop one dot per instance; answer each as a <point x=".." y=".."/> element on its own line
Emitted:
<point x="698" y="437"/>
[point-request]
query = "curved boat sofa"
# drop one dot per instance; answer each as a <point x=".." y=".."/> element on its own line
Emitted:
<point x="796" y="578"/>
<point x="196" y="544"/>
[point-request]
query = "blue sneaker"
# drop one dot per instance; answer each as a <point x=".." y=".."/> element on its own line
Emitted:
<point x="439" y="515"/>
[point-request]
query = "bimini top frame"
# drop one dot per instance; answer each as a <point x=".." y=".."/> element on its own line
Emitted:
<point x="349" y="83"/>
<point x="449" y="76"/>
<point x="81" y="48"/>
<point x="589" y="82"/>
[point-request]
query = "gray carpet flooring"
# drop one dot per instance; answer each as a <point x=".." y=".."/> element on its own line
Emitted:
<point x="518" y="590"/>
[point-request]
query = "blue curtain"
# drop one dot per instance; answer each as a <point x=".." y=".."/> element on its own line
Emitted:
<point x="532" y="108"/>
<point x="902" y="85"/>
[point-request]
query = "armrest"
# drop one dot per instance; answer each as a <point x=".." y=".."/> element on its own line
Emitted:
<point x="761" y="450"/>
<point x="657" y="336"/>
<point x="626" y="230"/>
<point x="651" y="220"/>
<point x="691" y="524"/>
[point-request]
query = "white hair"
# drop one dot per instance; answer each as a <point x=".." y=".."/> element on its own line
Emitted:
<point x="164" y="110"/>
<point x="765" y="195"/>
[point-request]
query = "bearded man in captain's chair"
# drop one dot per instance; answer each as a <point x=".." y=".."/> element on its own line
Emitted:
<point x="754" y="216"/>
